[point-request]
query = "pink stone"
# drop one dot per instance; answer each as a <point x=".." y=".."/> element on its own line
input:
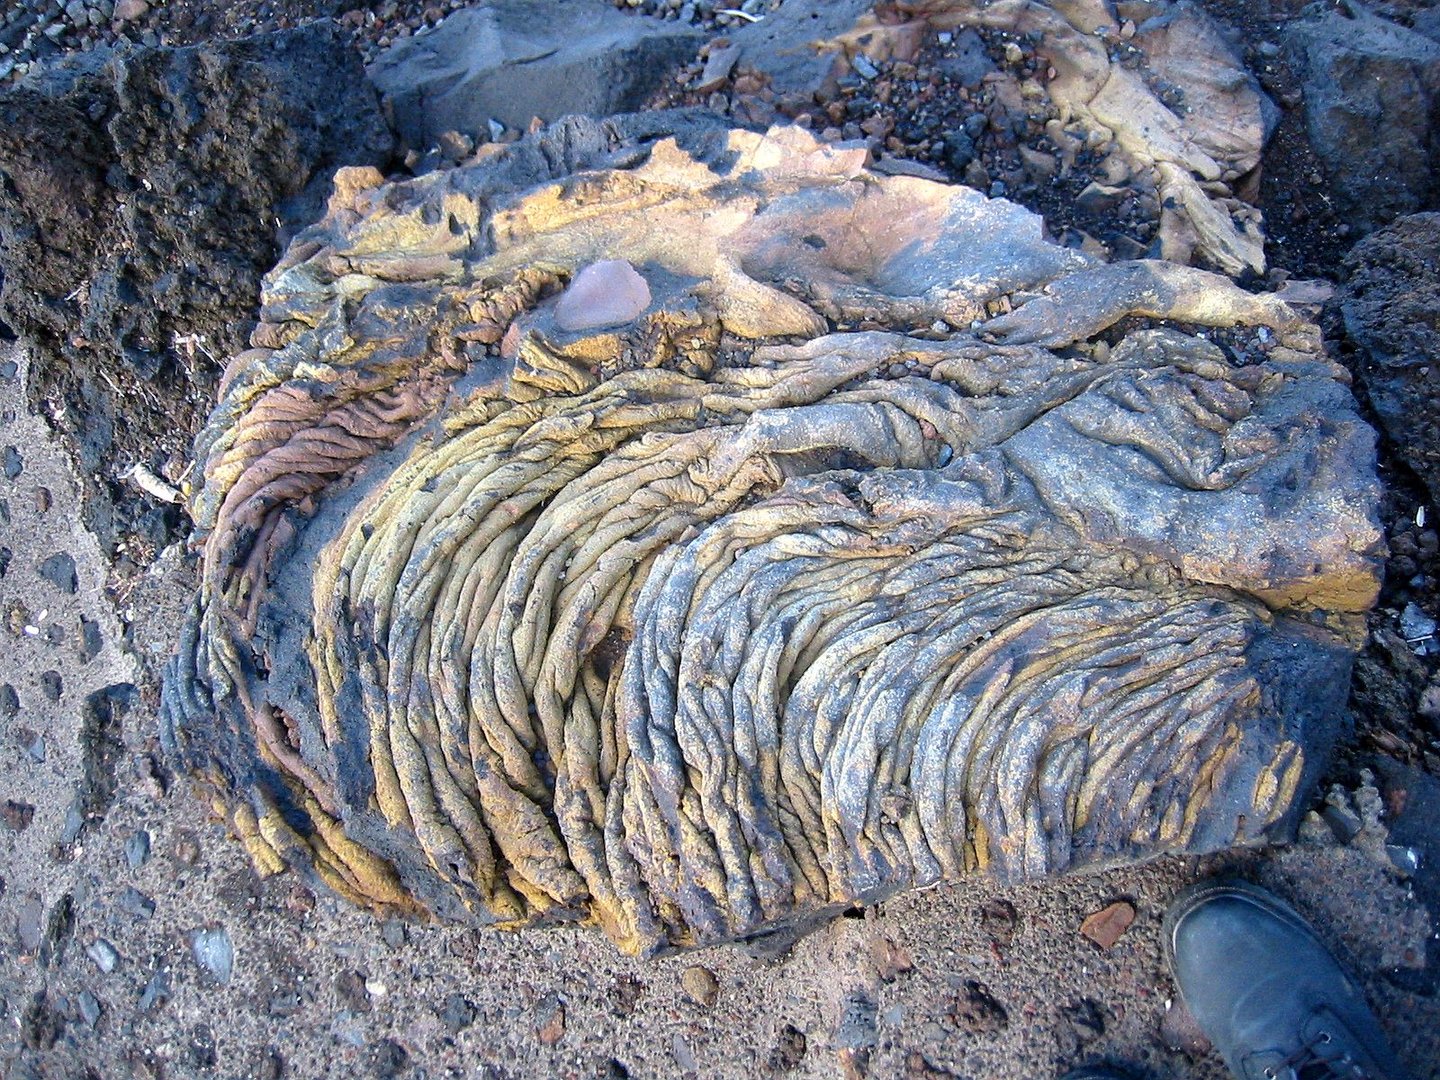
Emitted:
<point x="603" y="294"/>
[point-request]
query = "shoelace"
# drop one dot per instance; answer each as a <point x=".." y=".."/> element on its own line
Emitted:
<point x="1306" y="1063"/>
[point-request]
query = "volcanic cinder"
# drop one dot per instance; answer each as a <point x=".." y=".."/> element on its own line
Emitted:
<point x="887" y="542"/>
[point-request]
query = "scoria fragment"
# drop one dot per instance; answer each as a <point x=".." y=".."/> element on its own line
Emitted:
<point x="888" y="543"/>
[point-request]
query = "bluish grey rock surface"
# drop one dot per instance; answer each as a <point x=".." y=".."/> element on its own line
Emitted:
<point x="512" y="60"/>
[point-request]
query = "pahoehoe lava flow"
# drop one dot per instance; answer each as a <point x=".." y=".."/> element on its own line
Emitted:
<point x="889" y="543"/>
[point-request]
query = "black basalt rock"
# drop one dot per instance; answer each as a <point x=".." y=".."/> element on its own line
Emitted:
<point x="143" y="194"/>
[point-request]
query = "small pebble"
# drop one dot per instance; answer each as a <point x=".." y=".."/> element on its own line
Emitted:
<point x="681" y="1052"/>
<point x="458" y="1013"/>
<point x="700" y="985"/>
<point x="604" y="294"/>
<point x="392" y="932"/>
<point x="864" y="67"/>
<point x="16" y="815"/>
<point x="214" y="953"/>
<point x="718" y="66"/>
<point x="88" y="1006"/>
<point x="134" y="902"/>
<point x="350" y="994"/>
<point x="389" y="1059"/>
<point x="156" y="992"/>
<point x="91" y="639"/>
<point x="456" y="146"/>
<point x="551" y="1026"/>
<point x="1105" y="926"/>
<point x="857" y="1027"/>
<point x="105" y="956"/>
<point x="137" y="849"/>
<point x="59" y="570"/>
<point x="185" y="848"/>
<point x="1404" y="859"/>
<point x="34" y="746"/>
<point x="891" y="959"/>
<point x="1343" y="822"/>
<point x="1415" y="624"/>
<point x="74" y="821"/>
<point x="30" y="924"/>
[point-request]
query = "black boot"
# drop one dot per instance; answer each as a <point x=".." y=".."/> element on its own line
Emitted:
<point x="1273" y="1001"/>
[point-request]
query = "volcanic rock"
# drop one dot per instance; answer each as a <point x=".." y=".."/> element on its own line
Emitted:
<point x="796" y="46"/>
<point x="787" y="595"/>
<point x="1175" y="102"/>
<point x="1372" y="91"/>
<point x="144" y="188"/>
<point x="514" y="60"/>
<point x="1391" y="304"/>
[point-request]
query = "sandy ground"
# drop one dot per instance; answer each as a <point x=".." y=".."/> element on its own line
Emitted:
<point x="119" y="883"/>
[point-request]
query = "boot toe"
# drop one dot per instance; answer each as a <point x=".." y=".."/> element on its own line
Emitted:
<point x="1255" y="977"/>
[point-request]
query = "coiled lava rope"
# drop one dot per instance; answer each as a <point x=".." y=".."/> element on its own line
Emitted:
<point x="888" y="543"/>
